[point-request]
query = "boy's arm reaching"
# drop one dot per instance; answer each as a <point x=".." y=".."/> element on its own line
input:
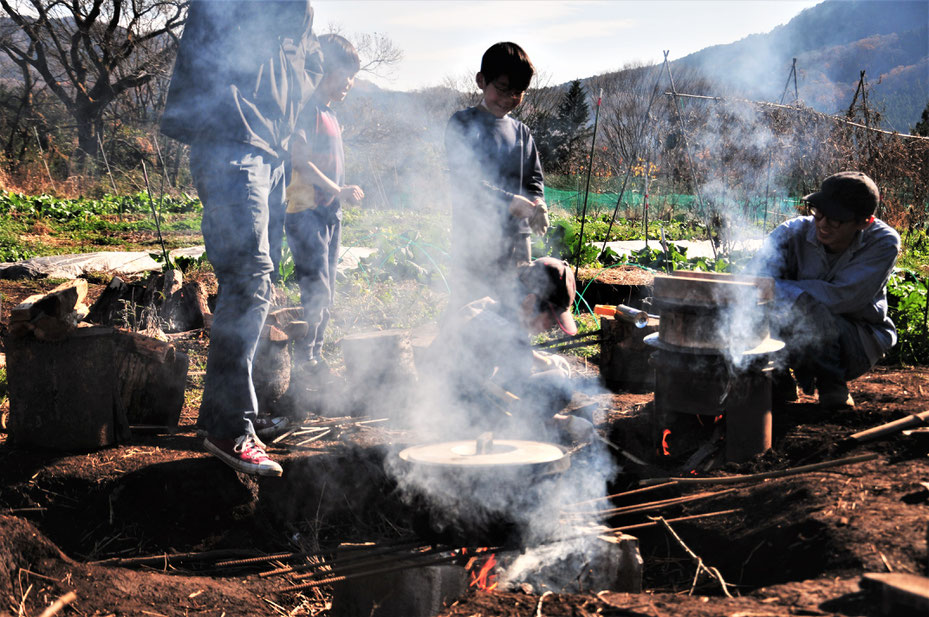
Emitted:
<point x="301" y="156"/>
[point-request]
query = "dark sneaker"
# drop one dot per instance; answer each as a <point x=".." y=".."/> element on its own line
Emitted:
<point x="836" y="397"/>
<point x="245" y="454"/>
<point x="269" y="427"/>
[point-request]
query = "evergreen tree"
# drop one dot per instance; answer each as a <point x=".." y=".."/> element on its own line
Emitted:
<point x="571" y="128"/>
<point x="922" y="127"/>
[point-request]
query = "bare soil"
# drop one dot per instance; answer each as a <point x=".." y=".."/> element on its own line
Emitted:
<point x="794" y="545"/>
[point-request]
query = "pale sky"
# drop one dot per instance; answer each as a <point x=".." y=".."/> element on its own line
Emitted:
<point x="565" y="39"/>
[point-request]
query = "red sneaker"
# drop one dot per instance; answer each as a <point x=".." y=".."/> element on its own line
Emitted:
<point x="245" y="454"/>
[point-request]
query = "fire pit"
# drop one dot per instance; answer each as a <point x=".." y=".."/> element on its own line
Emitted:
<point x="713" y="355"/>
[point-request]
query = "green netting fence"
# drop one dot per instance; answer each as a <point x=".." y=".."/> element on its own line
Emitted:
<point x="778" y="207"/>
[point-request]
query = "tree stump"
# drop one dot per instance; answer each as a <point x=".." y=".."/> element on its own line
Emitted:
<point x="65" y="395"/>
<point x="83" y="392"/>
<point x="380" y="373"/>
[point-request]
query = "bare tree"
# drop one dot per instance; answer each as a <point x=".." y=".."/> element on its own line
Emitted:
<point x="89" y="53"/>
<point x="378" y="53"/>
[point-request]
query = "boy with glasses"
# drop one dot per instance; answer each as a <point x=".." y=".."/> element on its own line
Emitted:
<point x="496" y="180"/>
<point x="831" y="271"/>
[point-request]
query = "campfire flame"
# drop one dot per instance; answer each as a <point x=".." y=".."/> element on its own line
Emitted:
<point x="665" y="446"/>
<point x="481" y="568"/>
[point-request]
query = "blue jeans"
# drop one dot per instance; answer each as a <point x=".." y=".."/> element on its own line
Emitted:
<point x="820" y="345"/>
<point x="314" y="237"/>
<point x="242" y="191"/>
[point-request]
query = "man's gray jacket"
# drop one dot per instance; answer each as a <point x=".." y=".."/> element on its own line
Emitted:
<point x="852" y="284"/>
<point x="244" y="70"/>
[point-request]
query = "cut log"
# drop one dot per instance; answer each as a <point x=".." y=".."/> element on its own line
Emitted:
<point x="152" y="378"/>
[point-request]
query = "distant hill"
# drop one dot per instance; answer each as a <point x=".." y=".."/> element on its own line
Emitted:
<point x="833" y="42"/>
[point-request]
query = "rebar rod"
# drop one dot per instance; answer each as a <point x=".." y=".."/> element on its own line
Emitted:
<point x="387" y="570"/>
<point x="652" y="505"/>
<point x="691" y="517"/>
<point x="634" y="491"/>
<point x="391" y="547"/>
<point x="265" y="558"/>
<point x="346" y="566"/>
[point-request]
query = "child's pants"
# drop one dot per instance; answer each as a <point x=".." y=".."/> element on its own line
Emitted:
<point x="314" y="236"/>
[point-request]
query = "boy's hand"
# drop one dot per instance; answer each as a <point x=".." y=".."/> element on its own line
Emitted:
<point x="543" y="361"/>
<point x="351" y="193"/>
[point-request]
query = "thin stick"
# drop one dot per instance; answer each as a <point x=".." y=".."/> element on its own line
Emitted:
<point x="566" y="339"/>
<point x="590" y="165"/>
<point x="851" y="460"/>
<point x="690" y="161"/>
<point x="42" y="152"/>
<point x="806" y="110"/>
<point x="166" y="558"/>
<point x="151" y="202"/>
<point x="632" y="158"/>
<point x="284" y="435"/>
<point x="314" y="438"/>
<point x="691" y="517"/>
<point x="109" y="171"/>
<point x="653" y="505"/>
<point x="59" y="604"/>
<point x="701" y="567"/>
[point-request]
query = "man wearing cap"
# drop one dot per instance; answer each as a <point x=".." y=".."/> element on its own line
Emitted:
<point x="831" y="271"/>
<point x="482" y="362"/>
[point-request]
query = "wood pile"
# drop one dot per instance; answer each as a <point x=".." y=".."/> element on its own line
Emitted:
<point x="51" y="316"/>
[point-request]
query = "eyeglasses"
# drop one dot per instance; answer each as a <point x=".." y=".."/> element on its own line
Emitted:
<point x="507" y="91"/>
<point x="830" y="223"/>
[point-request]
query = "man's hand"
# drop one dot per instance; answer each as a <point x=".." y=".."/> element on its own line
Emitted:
<point x="351" y="193"/>
<point x="521" y="208"/>
<point x="539" y="222"/>
<point x="536" y="211"/>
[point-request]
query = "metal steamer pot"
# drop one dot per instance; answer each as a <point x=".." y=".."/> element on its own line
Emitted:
<point x="476" y="492"/>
